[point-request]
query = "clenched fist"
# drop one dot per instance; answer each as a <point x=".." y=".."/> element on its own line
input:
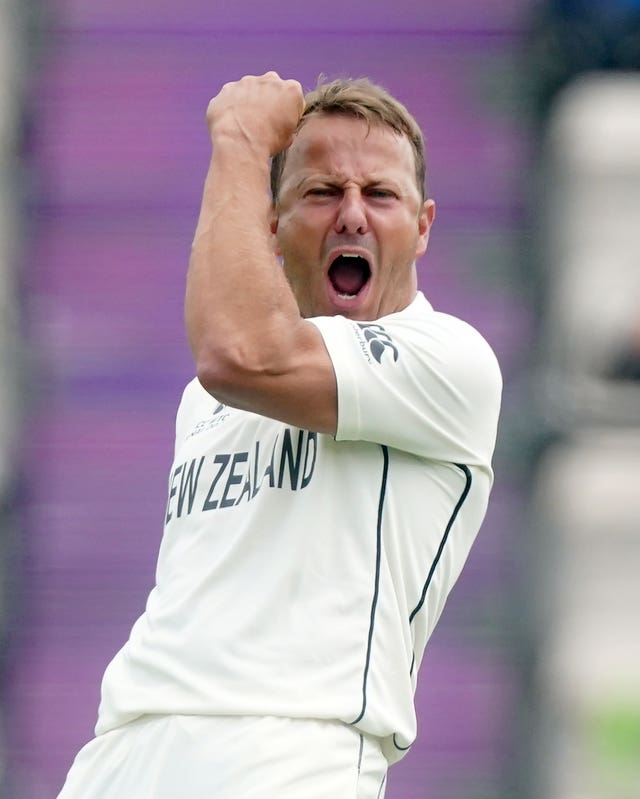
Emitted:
<point x="261" y="111"/>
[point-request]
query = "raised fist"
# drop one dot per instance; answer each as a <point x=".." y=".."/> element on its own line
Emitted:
<point x="260" y="111"/>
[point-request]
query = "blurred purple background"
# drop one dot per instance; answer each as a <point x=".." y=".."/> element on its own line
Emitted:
<point x="119" y="149"/>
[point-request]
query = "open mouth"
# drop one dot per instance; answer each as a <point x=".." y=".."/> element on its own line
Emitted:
<point x="349" y="274"/>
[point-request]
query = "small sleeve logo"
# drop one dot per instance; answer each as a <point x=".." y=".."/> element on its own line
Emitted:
<point x="378" y="341"/>
<point x="219" y="415"/>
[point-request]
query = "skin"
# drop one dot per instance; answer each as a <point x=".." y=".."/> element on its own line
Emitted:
<point x="346" y="187"/>
<point x="343" y="190"/>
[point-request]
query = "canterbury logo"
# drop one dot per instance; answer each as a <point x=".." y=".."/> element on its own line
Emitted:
<point x="378" y="340"/>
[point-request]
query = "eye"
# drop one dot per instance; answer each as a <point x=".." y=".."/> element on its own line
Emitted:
<point x="378" y="193"/>
<point x="320" y="191"/>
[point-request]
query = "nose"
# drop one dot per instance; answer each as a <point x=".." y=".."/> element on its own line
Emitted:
<point x="352" y="213"/>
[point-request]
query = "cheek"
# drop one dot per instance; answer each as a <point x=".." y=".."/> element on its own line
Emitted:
<point x="295" y="265"/>
<point x="290" y="234"/>
<point x="299" y="237"/>
<point x="402" y="237"/>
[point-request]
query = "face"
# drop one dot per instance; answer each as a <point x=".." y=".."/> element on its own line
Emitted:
<point x="350" y="222"/>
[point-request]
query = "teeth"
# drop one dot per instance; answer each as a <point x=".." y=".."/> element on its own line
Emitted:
<point x="346" y="296"/>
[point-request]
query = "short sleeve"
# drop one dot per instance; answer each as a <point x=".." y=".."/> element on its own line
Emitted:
<point x="418" y="380"/>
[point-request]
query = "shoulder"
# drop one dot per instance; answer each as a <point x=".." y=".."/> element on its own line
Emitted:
<point x="419" y="380"/>
<point x="417" y="340"/>
<point x="462" y="344"/>
<point x="442" y="341"/>
<point x="423" y="318"/>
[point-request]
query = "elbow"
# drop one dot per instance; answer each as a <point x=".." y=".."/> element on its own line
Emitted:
<point x="217" y="375"/>
<point x="216" y="364"/>
<point x="230" y="375"/>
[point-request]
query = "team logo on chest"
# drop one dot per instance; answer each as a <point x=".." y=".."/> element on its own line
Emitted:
<point x="227" y="479"/>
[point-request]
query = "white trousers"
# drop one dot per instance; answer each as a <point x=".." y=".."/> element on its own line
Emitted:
<point x="228" y="757"/>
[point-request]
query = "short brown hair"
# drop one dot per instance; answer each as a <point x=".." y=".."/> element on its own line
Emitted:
<point x="362" y="99"/>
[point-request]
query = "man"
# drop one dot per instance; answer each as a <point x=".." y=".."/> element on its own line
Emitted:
<point x="332" y="468"/>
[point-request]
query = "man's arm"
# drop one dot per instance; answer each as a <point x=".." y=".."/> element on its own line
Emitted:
<point x="251" y="347"/>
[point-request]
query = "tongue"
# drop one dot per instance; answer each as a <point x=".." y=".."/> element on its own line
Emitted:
<point x="347" y="276"/>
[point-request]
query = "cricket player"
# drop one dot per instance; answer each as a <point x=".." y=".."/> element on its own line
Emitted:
<point x="332" y="467"/>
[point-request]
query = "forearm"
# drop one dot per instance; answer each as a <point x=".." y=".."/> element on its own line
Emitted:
<point x="238" y="302"/>
<point x="251" y="347"/>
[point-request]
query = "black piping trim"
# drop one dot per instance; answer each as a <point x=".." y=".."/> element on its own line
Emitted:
<point x="374" y="602"/>
<point x="381" y="786"/>
<point x="397" y="745"/>
<point x="465" y="492"/>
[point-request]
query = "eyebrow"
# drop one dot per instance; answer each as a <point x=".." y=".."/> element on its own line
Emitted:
<point x="328" y="180"/>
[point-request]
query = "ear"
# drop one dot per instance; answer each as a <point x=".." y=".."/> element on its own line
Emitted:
<point x="425" y="220"/>
<point x="273" y="227"/>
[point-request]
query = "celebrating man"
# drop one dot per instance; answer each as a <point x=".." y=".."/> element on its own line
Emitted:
<point x="332" y="468"/>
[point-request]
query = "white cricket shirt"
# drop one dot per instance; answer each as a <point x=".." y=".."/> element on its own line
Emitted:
<point x="301" y="575"/>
